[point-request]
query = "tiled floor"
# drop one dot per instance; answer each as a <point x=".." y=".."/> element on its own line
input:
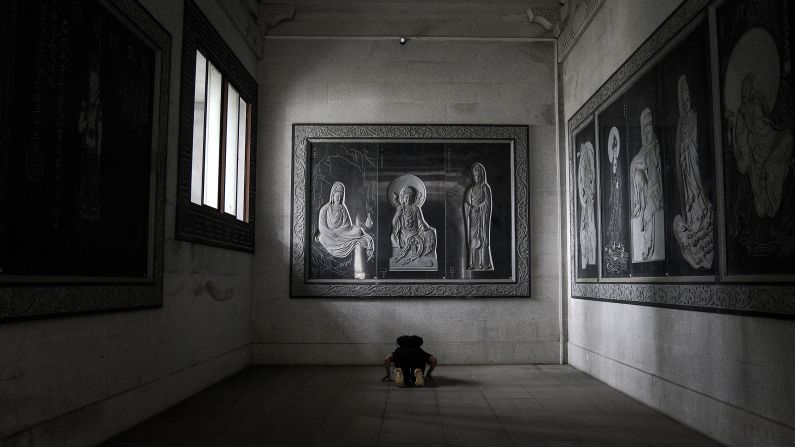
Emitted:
<point x="481" y="406"/>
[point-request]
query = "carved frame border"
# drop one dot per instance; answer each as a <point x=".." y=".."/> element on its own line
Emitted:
<point x="20" y="301"/>
<point x="765" y="300"/>
<point x="302" y="136"/>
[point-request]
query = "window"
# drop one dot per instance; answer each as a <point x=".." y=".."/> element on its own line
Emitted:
<point x="220" y="142"/>
<point x="217" y="140"/>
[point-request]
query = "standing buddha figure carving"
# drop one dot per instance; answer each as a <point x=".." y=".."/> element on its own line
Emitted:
<point x="693" y="226"/>
<point x="647" y="192"/>
<point x="586" y="191"/>
<point x="477" y="220"/>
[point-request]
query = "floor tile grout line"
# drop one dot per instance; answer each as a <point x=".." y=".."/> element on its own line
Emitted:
<point x="502" y="424"/>
<point x="295" y="392"/>
<point x="383" y="412"/>
<point x="472" y="385"/>
<point x="439" y="415"/>
<point x="657" y="415"/>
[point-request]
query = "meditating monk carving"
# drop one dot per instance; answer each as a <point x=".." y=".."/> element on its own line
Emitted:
<point x="338" y="235"/>
<point x="413" y="240"/>
<point x="762" y="149"/>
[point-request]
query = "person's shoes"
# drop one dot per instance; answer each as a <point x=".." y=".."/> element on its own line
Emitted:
<point x="399" y="380"/>
<point x="386" y="378"/>
<point x="419" y="380"/>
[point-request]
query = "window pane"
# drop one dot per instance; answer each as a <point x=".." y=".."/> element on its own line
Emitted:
<point x="242" y="144"/>
<point x="230" y="177"/>
<point x="198" y="129"/>
<point x="212" y="151"/>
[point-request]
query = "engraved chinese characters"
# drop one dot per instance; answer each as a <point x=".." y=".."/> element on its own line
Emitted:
<point x="338" y="235"/>
<point x="693" y="227"/>
<point x="413" y="240"/>
<point x="477" y="220"/>
<point x="85" y="82"/>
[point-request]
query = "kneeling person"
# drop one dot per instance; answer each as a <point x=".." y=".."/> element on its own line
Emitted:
<point x="410" y="360"/>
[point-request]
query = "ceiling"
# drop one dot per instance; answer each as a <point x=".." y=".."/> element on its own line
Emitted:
<point x="462" y="3"/>
<point x="429" y="18"/>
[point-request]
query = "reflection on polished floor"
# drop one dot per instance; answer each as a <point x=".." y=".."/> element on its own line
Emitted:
<point x="479" y="406"/>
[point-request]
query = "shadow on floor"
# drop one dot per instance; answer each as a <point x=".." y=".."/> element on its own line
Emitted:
<point x="482" y="406"/>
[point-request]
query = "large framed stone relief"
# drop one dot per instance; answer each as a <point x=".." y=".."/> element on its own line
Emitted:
<point x="410" y="211"/>
<point x="656" y="167"/>
<point x="757" y="115"/>
<point x="84" y="110"/>
<point x="694" y="155"/>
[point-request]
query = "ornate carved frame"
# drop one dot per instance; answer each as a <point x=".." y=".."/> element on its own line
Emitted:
<point x="303" y="135"/>
<point x="37" y="297"/>
<point x="719" y="297"/>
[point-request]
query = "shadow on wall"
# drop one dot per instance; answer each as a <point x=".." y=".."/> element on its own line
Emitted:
<point x="302" y="89"/>
<point x="702" y="359"/>
<point x="338" y="331"/>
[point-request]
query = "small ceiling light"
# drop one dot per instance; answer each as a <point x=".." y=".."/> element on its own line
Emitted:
<point x="403" y="40"/>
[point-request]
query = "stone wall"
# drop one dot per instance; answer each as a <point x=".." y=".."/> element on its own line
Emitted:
<point x="427" y="81"/>
<point x="76" y="381"/>
<point x="728" y="376"/>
